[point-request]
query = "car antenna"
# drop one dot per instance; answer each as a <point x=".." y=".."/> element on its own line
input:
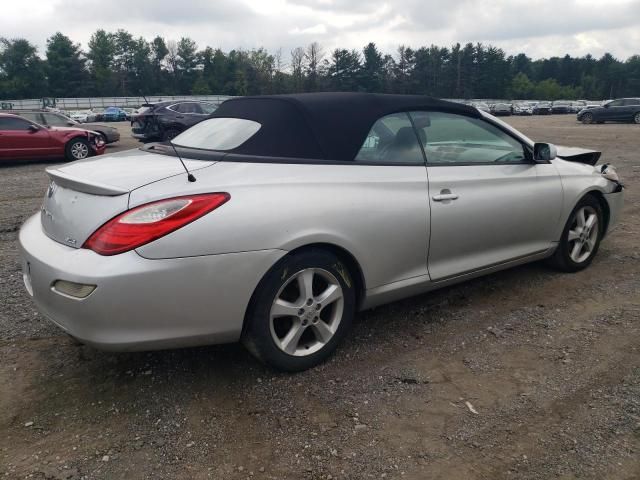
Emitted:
<point x="190" y="175"/>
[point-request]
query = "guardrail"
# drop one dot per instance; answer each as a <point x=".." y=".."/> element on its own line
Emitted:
<point x="101" y="102"/>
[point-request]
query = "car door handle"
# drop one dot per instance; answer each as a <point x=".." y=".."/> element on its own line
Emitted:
<point x="444" y="196"/>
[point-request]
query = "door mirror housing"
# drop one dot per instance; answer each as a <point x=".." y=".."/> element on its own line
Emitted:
<point x="33" y="128"/>
<point x="544" y="152"/>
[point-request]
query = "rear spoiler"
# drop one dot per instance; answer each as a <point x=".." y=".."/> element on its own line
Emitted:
<point x="94" y="188"/>
<point x="579" y="155"/>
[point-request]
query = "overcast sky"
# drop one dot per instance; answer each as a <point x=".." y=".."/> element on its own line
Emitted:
<point x="540" y="28"/>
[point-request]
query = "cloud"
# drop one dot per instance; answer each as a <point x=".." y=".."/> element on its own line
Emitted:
<point x="536" y="27"/>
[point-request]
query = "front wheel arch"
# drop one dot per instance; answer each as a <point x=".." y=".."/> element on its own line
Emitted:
<point x="606" y="212"/>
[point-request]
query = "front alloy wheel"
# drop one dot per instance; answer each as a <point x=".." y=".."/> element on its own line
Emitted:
<point x="636" y="118"/>
<point x="77" y="149"/>
<point x="581" y="236"/>
<point x="300" y="311"/>
<point x="587" y="118"/>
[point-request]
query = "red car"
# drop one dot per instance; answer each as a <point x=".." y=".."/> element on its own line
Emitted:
<point x="22" y="139"/>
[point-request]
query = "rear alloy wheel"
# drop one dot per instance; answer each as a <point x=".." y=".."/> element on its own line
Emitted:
<point x="581" y="237"/>
<point x="77" y="149"/>
<point x="300" y="311"/>
<point x="636" y="118"/>
<point x="587" y="118"/>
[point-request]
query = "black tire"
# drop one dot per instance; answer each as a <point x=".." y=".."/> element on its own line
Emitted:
<point x="77" y="149"/>
<point x="636" y="118"/>
<point x="170" y="134"/>
<point x="258" y="334"/>
<point x="587" y="118"/>
<point x="562" y="259"/>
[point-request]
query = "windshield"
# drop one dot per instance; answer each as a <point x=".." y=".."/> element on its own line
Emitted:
<point x="218" y="134"/>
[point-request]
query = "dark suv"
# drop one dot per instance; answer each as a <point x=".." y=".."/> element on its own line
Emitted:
<point x="165" y="120"/>
<point x="620" y="110"/>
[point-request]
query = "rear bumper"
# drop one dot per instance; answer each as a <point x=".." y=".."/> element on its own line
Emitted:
<point x="142" y="304"/>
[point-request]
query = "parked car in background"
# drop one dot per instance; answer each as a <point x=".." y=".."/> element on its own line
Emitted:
<point x="130" y="112"/>
<point x="619" y="110"/>
<point x="577" y="105"/>
<point x="114" y="114"/>
<point x="165" y="120"/>
<point x="560" y="107"/>
<point x="542" y="108"/>
<point x="80" y="116"/>
<point x="24" y="139"/>
<point x="523" y="108"/>
<point x="482" y="106"/>
<point x="50" y="119"/>
<point x="501" y="109"/>
<point x="278" y="243"/>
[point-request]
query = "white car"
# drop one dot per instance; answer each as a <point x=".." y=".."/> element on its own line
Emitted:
<point x="81" y="116"/>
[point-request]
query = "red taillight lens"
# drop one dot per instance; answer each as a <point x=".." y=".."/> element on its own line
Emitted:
<point x="151" y="221"/>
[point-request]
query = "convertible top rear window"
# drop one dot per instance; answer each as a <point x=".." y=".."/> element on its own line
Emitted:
<point x="218" y="134"/>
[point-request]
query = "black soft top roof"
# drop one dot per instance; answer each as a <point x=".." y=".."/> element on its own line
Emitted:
<point x="324" y="126"/>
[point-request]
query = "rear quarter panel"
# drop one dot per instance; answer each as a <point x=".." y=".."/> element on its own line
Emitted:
<point x="377" y="213"/>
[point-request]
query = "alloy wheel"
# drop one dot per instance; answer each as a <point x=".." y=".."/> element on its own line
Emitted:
<point x="79" y="150"/>
<point x="587" y="118"/>
<point x="636" y="118"/>
<point x="583" y="234"/>
<point x="306" y="312"/>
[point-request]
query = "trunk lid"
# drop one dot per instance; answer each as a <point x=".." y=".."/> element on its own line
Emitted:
<point x="83" y="195"/>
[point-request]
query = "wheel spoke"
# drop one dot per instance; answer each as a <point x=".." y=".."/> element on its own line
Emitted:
<point x="282" y="308"/>
<point x="292" y="338"/>
<point x="590" y="243"/>
<point x="305" y="283"/>
<point x="580" y="218"/>
<point x="575" y="252"/>
<point x="330" y="295"/>
<point x="591" y="221"/>
<point x="573" y="235"/>
<point x="322" y="331"/>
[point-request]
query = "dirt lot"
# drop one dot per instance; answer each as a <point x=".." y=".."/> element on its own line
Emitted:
<point x="525" y="374"/>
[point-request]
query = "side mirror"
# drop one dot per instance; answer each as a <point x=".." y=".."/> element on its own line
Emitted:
<point x="544" y="152"/>
<point x="71" y="124"/>
<point x="606" y="105"/>
<point x="33" y="128"/>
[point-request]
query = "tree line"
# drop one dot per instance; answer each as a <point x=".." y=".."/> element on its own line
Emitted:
<point x="119" y="64"/>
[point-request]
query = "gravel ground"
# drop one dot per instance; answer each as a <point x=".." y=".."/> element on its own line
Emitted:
<point x="524" y="374"/>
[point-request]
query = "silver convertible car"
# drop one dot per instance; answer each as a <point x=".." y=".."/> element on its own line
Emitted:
<point x="277" y="219"/>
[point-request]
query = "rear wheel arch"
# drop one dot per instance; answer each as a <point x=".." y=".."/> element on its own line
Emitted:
<point x="350" y="263"/>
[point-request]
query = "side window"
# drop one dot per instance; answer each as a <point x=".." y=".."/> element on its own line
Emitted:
<point x="10" y="123"/>
<point x="456" y="139"/>
<point x="55" y="120"/>
<point x="392" y="139"/>
<point x="187" y="107"/>
<point x="32" y="116"/>
<point x="615" y="103"/>
<point x="630" y="102"/>
<point x="207" y="108"/>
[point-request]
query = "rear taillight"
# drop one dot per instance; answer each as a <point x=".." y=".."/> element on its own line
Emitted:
<point x="146" y="223"/>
